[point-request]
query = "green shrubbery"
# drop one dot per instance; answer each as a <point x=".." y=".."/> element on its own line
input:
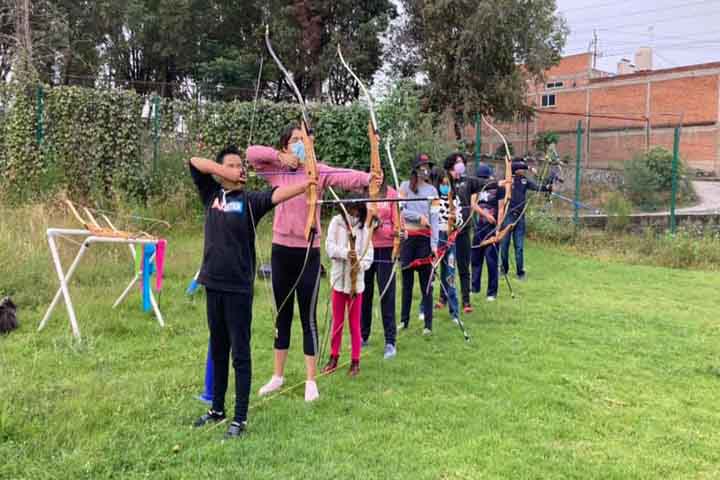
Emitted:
<point x="685" y="249"/>
<point x="648" y="180"/>
<point x="99" y="145"/>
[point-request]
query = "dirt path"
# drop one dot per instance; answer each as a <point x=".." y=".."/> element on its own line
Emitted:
<point x="709" y="195"/>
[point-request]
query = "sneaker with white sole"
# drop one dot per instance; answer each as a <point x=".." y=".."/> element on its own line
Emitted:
<point x="491" y="298"/>
<point x="390" y="351"/>
<point x="427" y="332"/>
<point x="274" y="384"/>
<point x="311" y="391"/>
<point x="456" y="321"/>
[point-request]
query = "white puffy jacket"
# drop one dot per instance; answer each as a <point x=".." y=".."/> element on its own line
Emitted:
<point x="337" y="248"/>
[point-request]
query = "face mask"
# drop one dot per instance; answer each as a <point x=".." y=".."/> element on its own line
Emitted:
<point x="444" y="189"/>
<point x="459" y="168"/>
<point x="298" y="149"/>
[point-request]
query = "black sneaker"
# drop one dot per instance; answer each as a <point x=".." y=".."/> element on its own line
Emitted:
<point x="210" y="417"/>
<point x="236" y="429"/>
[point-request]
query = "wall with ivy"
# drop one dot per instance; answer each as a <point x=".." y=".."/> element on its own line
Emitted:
<point x="97" y="144"/>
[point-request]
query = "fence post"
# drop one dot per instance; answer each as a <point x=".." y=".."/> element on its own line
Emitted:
<point x="478" y="141"/>
<point x="675" y="162"/>
<point x="156" y="130"/>
<point x="40" y="113"/>
<point x="578" y="160"/>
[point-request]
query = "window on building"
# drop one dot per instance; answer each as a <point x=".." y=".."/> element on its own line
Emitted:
<point x="548" y="100"/>
<point x="551" y="85"/>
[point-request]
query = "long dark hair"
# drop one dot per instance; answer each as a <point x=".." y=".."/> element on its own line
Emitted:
<point x="361" y="206"/>
<point x="286" y="135"/>
<point x="383" y="186"/>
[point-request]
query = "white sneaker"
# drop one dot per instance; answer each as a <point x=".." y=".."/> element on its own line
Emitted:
<point x="390" y="351"/>
<point x="274" y="384"/>
<point x="427" y="332"/>
<point x="456" y="321"/>
<point x="491" y="298"/>
<point x="311" y="391"/>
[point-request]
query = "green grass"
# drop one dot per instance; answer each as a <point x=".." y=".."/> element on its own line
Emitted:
<point x="595" y="370"/>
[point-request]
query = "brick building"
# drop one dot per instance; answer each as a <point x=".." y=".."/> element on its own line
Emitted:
<point x="624" y="113"/>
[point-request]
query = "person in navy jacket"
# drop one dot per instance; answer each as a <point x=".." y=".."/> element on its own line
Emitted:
<point x="516" y="216"/>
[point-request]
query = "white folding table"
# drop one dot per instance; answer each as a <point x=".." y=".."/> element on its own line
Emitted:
<point x="90" y="238"/>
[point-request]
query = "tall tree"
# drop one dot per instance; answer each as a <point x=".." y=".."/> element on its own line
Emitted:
<point x="479" y="56"/>
<point x="309" y="31"/>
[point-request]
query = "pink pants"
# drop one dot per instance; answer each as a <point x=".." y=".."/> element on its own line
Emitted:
<point x="354" y="305"/>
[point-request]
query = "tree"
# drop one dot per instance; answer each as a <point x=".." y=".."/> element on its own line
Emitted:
<point x="480" y="56"/>
<point x="306" y="34"/>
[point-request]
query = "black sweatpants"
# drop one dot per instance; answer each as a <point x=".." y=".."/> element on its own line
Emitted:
<point x="229" y="319"/>
<point x="415" y="247"/>
<point x="382" y="268"/>
<point x="487" y="254"/>
<point x="287" y="262"/>
<point x="463" y="254"/>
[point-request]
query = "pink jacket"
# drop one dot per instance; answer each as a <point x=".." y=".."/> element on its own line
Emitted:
<point x="384" y="234"/>
<point x="291" y="216"/>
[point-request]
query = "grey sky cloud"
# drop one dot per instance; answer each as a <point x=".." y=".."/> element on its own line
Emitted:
<point x="681" y="32"/>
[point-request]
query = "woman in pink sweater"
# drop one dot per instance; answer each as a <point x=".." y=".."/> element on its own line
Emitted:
<point x="290" y="249"/>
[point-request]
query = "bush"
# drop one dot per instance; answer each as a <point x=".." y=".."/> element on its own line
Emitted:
<point x="618" y="210"/>
<point x="648" y="180"/>
<point x="99" y="145"/>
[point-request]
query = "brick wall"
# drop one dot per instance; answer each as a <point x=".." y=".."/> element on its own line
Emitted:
<point x="689" y="94"/>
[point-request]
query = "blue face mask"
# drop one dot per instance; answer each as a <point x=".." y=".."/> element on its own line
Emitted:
<point x="444" y="189"/>
<point x="298" y="149"/>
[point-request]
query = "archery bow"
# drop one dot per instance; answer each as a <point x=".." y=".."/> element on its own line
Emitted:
<point x="310" y="165"/>
<point x="397" y="221"/>
<point x="501" y="231"/>
<point x="373" y="222"/>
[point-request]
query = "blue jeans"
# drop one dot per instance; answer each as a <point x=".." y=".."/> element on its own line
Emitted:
<point x="448" y="292"/>
<point x="518" y="238"/>
<point x="487" y="254"/>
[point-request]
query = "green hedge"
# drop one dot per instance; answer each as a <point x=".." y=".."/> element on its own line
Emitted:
<point x="95" y="144"/>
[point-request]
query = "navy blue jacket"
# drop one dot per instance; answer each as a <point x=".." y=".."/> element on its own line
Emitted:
<point x="519" y="193"/>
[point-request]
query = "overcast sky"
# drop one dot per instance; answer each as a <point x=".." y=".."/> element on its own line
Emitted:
<point x="681" y="32"/>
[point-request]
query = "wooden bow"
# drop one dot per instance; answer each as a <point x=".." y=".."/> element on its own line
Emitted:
<point x="504" y="206"/>
<point x="310" y="165"/>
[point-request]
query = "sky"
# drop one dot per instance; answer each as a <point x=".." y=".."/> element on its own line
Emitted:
<point x="681" y="32"/>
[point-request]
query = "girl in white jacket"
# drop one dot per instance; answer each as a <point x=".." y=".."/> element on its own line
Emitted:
<point x="348" y="279"/>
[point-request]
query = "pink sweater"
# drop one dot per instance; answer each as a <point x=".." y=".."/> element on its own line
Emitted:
<point x="384" y="234"/>
<point x="291" y="216"/>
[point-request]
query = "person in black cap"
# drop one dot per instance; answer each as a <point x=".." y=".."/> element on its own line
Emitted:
<point x="421" y="227"/>
<point x="486" y="206"/>
<point x="516" y="216"/>
<point x="465" y="188"/>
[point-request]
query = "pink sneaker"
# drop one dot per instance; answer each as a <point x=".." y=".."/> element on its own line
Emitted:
<point x="274" y="384"/>
<point x="311" y="391"/>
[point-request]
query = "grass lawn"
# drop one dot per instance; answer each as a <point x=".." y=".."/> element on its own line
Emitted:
<point x="595" y="370"/>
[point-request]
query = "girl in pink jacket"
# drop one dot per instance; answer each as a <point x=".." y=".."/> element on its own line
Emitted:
<point x="295" y="264"/>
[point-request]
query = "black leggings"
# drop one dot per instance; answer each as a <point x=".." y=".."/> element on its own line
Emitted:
<point x="229" y="318"/>
<point x="414" y="248"/>
<point x="463" y="254"/>
<point x="382" y="268"/>
<point x="287" y="262"/>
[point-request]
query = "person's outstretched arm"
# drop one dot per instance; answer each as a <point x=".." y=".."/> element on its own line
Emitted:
<point x="289" y="191"/>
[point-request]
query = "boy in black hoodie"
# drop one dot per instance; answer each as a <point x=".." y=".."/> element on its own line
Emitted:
<point x="228" y="271"/>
